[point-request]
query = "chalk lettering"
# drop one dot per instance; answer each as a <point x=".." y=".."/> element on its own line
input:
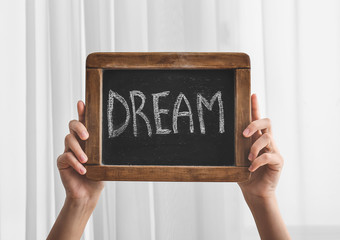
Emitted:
<point x="177" y="114"/>
<point x="116" y="132"/>
<point x="209" y="105"/>
<point x="139" y="112"/>
<point x="157" y="112"/>
<point x="200" y="101"/>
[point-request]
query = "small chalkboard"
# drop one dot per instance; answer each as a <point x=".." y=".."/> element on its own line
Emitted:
<point x="167" y="116"/>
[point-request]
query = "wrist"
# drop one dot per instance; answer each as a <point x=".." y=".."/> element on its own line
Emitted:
<point x="256" y="200"/>
<point x="88" y="203"/>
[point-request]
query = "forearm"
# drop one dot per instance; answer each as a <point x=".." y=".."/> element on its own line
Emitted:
<point x="268" y="218"/>
<point x="72" y="219"/>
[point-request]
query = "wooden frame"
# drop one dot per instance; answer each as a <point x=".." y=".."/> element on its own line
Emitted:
<point x="96" y="62"/>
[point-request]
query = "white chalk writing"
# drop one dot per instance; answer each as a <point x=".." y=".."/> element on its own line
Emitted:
<point x="177" y="114"/>
<point x="157" y="112"/>
<point x="209" y="105"/>
<point x="139" y="111"/>
<point x="116" y="132"/>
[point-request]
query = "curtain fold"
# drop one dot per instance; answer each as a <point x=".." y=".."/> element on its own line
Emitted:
<point x="295" y="57"/>
<point x="39" y="139"/>
<point x="12" y="120"/>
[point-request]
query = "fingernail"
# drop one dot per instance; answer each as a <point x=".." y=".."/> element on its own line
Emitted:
<point x="246" y="132"/>
<point x="83" y="158"/>
<point x="83" y="170"/>
<point x="251" y="156"/>
<point x="84" y="134"/>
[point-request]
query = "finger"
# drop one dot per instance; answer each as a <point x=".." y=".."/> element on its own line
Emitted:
<point x="67" y="160"/>
<point x="259" y="144"/>
<point x="263" y="159"/>
<point x="81" y="111"/>
<point x="255" y="109"/>
<point x="255" y="114"/>
<point x="79" y="129"/>
<point x="261" y="124"/>
<point x="71" y="143"/>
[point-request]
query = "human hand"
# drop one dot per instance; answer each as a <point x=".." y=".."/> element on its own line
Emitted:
<point x="71" y="170"/>
<point x="266" y="160"/>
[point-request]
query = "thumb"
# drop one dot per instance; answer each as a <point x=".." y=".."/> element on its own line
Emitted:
<point x="81" y="111"/>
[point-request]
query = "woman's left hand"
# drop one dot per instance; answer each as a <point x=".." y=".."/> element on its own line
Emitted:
<point x="266" y="160"/>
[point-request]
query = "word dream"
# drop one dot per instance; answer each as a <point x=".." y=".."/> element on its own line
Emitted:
<point x="181" y="98"/>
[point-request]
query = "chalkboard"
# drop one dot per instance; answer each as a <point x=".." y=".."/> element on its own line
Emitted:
<point x="167" y="116"/>
<point x="200" y="138"/>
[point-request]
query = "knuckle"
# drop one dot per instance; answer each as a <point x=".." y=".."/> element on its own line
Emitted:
<point x="266" y="157"/>
<point x="267" y="137"/>
<point x="60" y="157"/>
<point x="68" y="138"/>
<point x="62" y="160"/>
<point x="269" y="122"/>
<point x="71" y="123"/>
<point x="69" y="157"/>
<point x="255" y="148"/>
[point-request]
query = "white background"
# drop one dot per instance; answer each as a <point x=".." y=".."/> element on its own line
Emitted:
<point x="294" y="48"/>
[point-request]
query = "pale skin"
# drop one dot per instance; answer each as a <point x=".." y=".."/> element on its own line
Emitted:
<point x="259" y="192"/>
<point x="266" y="166"/>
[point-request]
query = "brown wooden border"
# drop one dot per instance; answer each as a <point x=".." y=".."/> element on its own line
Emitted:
<point x="93" y="115"/>
<point x="96" y="62"/>
<point x="242" y="116"/>
<point x="168" y="60"/>
<point x="167" y="173"/>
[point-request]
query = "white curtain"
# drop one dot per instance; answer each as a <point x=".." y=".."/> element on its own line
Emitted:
<point x="294" y="48"/>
